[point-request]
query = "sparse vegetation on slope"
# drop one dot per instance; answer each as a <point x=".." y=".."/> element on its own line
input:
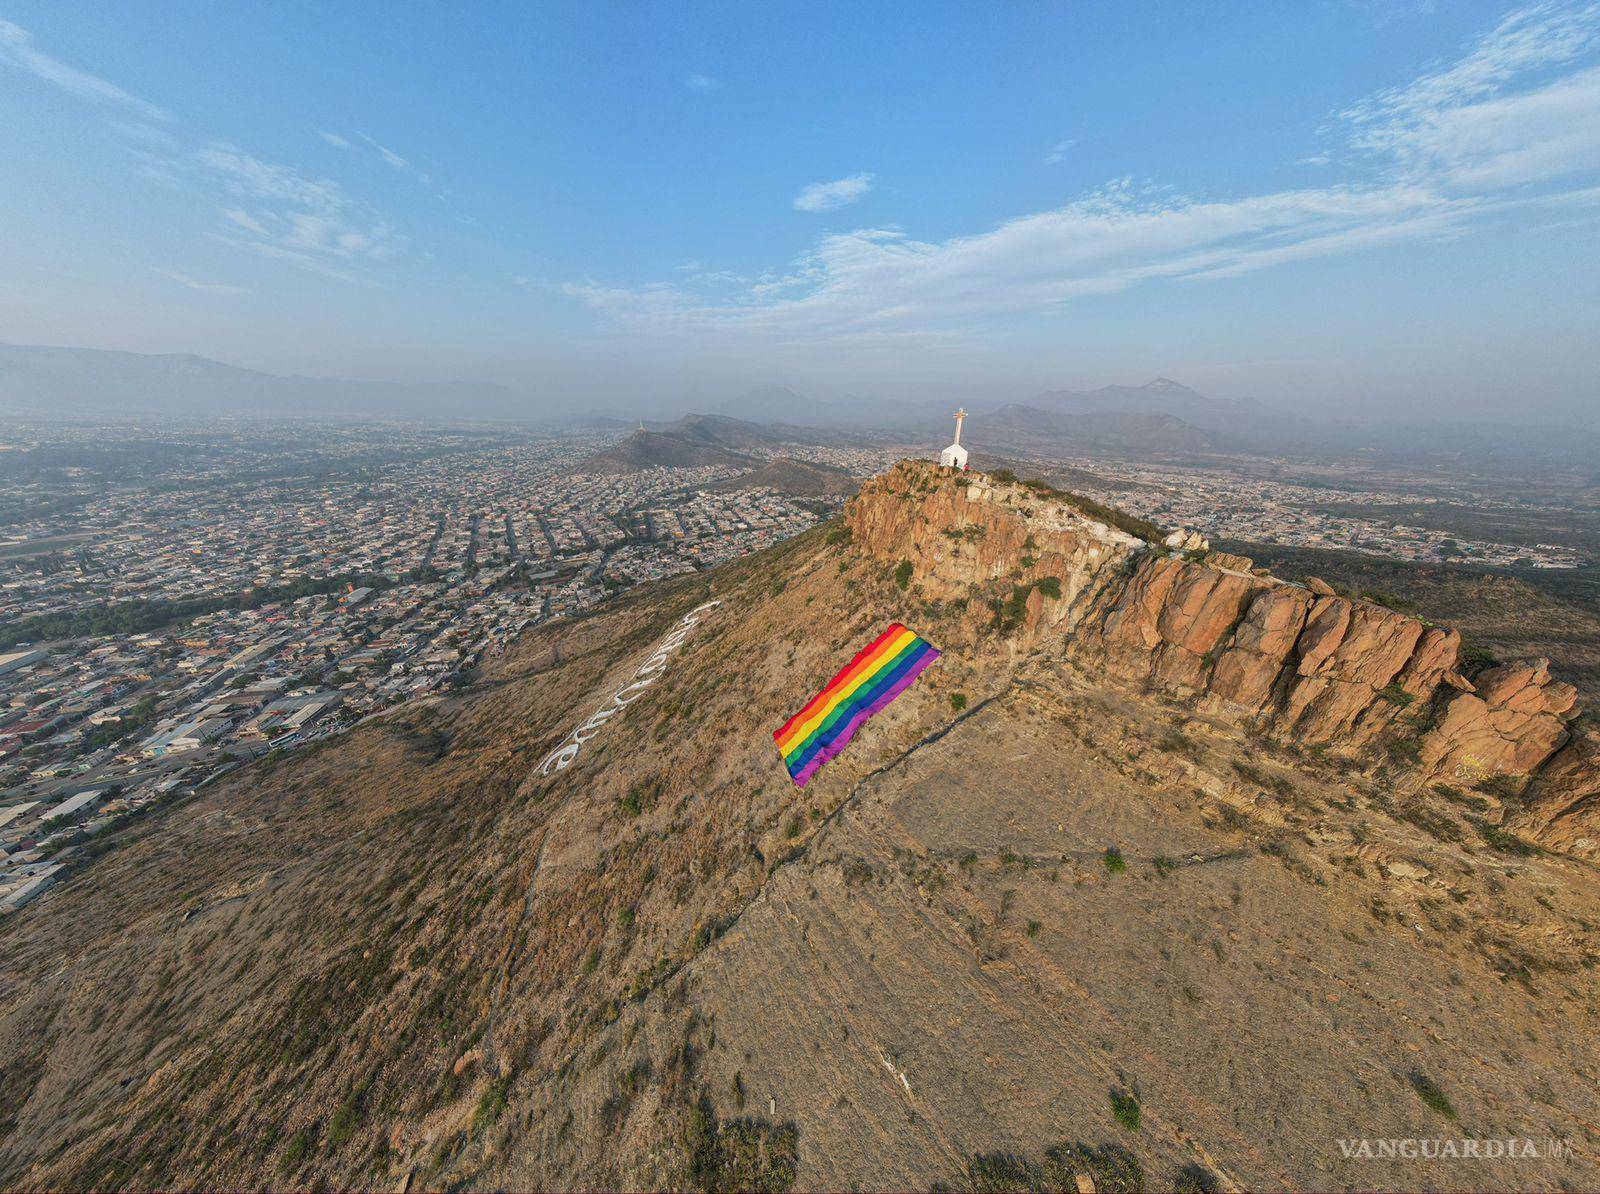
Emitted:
<point x="406" y="957"/>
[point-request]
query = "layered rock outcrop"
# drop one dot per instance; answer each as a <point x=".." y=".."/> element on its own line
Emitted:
<point x="1563" y="803"/>
<point x="1296" y="661"/>
<point x="1515" y="720"/>
<point x="961" y="532"/>
<point x="1323" y="668"/>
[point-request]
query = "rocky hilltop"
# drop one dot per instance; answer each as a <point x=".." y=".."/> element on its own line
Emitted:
<point x="1294" y="660"/>
<point x="1167" y="875"/>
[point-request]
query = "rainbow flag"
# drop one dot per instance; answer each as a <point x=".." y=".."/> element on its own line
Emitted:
<point x="875" y="677"/>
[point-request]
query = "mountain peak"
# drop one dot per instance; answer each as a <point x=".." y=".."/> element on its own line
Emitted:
<point x="1162" y="385"/>
<point x="1162" y="618"/>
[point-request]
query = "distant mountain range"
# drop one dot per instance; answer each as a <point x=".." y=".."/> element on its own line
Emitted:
<point x="1018" y="425"/>
<point x="39" y="379"/>
<point x="779" y="404"/>
<point x="1164" y="415"/>
<point x="745" y="435"/>
<point x="1245" y="417"/>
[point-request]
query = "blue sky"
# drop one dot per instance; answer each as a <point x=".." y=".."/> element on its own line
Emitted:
<point x="1364" y="205"/>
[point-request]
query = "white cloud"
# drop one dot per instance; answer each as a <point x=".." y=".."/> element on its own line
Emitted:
<point x="387" y="154"/>
<point x="203" y="287"/>
<point x="875" y="282"/>
<point x="1461" y="124"/>
<point x="1513" y="125"/>
<point x="830" y="196"/>
<point x="17" y="49"/>
<point x="247" y="175"/>
<point x="1506" y="141"/>
<point x="293" y="217"/>
<point x="701" y="83"/>
<point x="1531" y="38"/>
<point x="271" y="210"/>
<point x="244" y="219"/>
<point x="1057" y="152"/>
<point x="383" y="151"/>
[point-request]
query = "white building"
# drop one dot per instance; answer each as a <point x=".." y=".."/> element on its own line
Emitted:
<point x="30" y="888"/>
<point x="955" y="456"/>
<point x="18" y="659"/>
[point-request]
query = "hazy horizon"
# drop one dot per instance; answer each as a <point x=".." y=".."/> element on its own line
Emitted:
<point x="1359" y="209"/>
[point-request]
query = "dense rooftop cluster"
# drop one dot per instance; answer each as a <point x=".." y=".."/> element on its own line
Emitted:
<point x="1357" y="515"/>
<point x="165" y="624"/>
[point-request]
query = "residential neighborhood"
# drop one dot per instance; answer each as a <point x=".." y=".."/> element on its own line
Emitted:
<point x="188" y="626"/>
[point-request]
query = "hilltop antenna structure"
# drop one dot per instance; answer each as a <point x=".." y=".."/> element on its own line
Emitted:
<point x="955" y="456"/>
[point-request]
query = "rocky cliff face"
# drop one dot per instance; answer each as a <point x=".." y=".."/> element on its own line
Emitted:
<point x="1294" y="661"/>
<point x="967" y="540"/>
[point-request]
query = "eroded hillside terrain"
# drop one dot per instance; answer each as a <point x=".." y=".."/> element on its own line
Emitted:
<point x="1166" y="871"/>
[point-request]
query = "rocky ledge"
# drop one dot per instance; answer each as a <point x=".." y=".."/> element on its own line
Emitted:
<point x="1297" y="661"/>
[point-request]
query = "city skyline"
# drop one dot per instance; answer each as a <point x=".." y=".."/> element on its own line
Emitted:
<point x="1370" y="208"/>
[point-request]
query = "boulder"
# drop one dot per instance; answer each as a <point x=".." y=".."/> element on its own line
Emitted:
<point x="1231" y="562"/>
<point x="1514" y="722"/>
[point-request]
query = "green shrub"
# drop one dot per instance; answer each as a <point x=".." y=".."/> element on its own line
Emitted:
<point x="1430" y="1094"/>
<point x="997" y="1173"/>
<point x="295" y="1155"/>
<point x="1403" y="751"/>
<point x="1015" y="607"/>
<point x="1396" y="695"/>
<point x="1114" y="861"/>
<point x="1050" y="586"/>
<point x="1112" y="1168"/>
<point x="347" y="1118"/>
<point x="1388" y="600"/>
<point x="1506" y="843"/>
<point x="493" y="1101"/>
<point x="1430" y="821"/>
<point x="902" y="574"/>
<point x="1125" y="1110"/>
<point x="1506" y="787"/>
<point x="1195" y="1179"/>
<point x="742" y="1154"/>
<point x="958" y="701"/>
